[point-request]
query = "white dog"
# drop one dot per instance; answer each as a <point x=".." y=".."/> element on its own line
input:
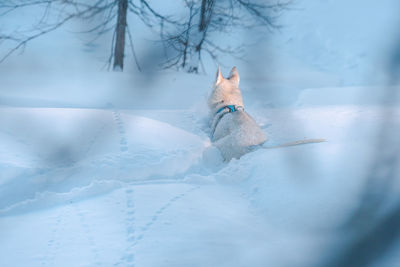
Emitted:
<point x="233" y="131"/>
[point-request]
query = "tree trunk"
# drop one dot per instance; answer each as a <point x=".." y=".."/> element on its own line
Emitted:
<point x="120" y="36"/>
<point x="202" y="24"/>
<point x="204" y="21"/>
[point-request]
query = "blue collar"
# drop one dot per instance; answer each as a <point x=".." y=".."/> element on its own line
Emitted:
<point x="232" y="108"/>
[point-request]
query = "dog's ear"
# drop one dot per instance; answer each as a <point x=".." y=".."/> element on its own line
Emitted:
<point x="234" y="75"/>
<point x="219" y="77"/>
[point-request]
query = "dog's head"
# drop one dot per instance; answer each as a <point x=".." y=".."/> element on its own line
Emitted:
<point x="226" y="91"/>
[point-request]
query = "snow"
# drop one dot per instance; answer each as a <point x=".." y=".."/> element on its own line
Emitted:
<point x="132" y="187"/>
<point x="117" y="169"/>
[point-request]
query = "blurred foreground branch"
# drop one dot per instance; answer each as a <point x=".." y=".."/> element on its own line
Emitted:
<point x="374" y="227"/>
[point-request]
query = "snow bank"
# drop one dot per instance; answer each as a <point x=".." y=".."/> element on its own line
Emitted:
<point x="95" y="89"/>
<point x="360" y="95"/>
<point x="66" y="149"/>
<point x="314" y="186"/>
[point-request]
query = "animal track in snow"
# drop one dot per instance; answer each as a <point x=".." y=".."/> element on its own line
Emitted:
<point x="133" y="236"/>
<point x="88" y="234"/>
<point x="160" y="211"/>
<point x="53" y="244"/>
<point x="128" y="257"/>
<point x="123" y="144"/>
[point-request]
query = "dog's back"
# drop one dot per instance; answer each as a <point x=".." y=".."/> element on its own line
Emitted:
<point x="236" y="134"/>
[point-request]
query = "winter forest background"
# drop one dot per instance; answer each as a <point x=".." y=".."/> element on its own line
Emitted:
<point x="105" y="155"/>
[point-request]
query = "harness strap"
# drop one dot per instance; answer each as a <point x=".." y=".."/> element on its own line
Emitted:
<point x="220" y="113"/>
<point x="231" y="108"/>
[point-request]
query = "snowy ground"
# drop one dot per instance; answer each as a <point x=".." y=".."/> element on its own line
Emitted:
<point x="143" y="187"/>
<point x="117" y="169"/>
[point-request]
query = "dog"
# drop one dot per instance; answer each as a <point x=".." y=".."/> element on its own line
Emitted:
<point x="232" y="130"/>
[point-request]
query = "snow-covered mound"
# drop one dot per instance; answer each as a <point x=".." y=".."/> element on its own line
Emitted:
<point x="116" y="169"/>
<point x="119" y="167"/>
<point x="290" y="184"/>
<point x="46" y="150"/>
<point x="137" y="181"/>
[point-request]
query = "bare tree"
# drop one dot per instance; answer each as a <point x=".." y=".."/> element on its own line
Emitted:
<point x="120" y="32"/>
<point x="208" y="19"/>
<point x="184" y="40"/>
<point x="108" y="15"/>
